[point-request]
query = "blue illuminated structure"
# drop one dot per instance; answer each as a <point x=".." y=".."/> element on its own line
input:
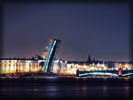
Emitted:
<point x="52" y="51"/>
<point x="102" y="73"/>
<point x="97" y="73"/>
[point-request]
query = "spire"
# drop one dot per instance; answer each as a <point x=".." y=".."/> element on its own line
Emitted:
<point x="89" y="59"/>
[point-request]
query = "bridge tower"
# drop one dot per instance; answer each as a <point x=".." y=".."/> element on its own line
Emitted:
<point x="52" y="51"/>
<point x="120" y="71"/>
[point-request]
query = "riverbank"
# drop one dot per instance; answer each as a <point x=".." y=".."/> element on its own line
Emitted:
<point x="69" y="79"/>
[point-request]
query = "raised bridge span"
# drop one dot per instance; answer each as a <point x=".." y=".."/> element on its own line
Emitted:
<point x="52" y="51"/>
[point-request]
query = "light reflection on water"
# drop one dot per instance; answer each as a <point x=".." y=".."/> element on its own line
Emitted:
<point x="53" y="90"/>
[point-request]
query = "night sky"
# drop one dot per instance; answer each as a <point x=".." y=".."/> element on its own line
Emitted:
<point x="101" y="30"/>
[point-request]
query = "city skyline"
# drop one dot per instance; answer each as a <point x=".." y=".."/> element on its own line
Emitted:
<point x="101" y="30"/>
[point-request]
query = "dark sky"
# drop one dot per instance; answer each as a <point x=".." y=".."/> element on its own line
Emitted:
<point x="99" y="29"/>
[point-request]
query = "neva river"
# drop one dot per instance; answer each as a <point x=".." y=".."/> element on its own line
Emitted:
<point x="66" y="88"/>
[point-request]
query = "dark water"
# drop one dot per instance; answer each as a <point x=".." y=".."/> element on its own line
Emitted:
<point x="65" y="88"/>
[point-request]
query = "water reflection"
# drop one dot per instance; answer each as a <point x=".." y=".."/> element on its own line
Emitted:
<point x="127" y="91"/>
<point x="53" y="90"/>
<point x="105" y="92"/>
<point x="84" y="90"/>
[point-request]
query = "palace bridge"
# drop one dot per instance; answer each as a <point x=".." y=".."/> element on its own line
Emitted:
<point x="119" y="73"/>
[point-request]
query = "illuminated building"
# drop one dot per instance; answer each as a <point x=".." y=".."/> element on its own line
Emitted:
<point x="124" y="66"/>
<point x="59" y="66"/>
<point x="130" y="66"/>
<point x="16" y="66"/>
